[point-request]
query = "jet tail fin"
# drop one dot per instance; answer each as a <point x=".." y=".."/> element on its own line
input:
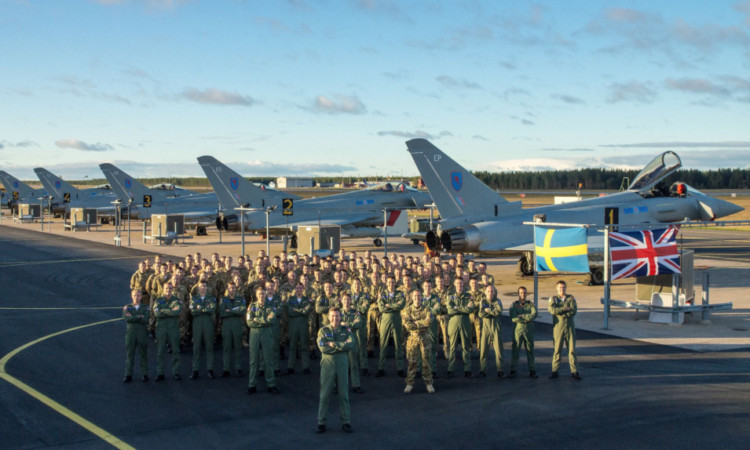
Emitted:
<point x="234" y="190"/>
<point x="456" y="192"/>
<point x="123" y="185"/>
<point x="56" y="186"/>
<point x="17" y="188"/>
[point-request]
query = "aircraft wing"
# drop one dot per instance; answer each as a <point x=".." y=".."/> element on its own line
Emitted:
<point x="353" y="219"/>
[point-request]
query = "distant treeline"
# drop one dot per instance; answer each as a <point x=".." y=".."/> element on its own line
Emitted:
<point x="607" y="179"/>
<point x="604" y="179"/>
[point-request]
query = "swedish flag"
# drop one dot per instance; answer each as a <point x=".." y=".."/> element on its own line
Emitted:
<point x="561" y="250"/>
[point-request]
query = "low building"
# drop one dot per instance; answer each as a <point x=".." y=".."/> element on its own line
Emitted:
<point x="293" y="182"/>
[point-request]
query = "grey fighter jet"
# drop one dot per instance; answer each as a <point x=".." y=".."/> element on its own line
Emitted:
<point x="359" y="213"/>
<point x="200" y="210"/>
<point x="474" y="218"/>
<point x="16" y="191"/>
<point x="67" y="195"/>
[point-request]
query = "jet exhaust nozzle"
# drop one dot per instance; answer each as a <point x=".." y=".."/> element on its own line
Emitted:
<point x="432" y="240"/>
<point x="465" y="239"/>
<point x="228" y="223"/>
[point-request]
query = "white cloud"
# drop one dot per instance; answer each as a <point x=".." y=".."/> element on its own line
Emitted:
<point x="415" y="134"/>
<point x="633" y="91"/>
<point x="218" y="97"/>
<point x="340" y="104"/>
<point x="80" y="145"/>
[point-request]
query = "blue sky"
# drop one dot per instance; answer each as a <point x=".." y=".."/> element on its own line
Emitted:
<point x="321" y="88"/>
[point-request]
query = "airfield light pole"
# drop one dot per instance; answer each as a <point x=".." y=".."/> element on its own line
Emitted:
<point x="242" y="210"/>
<point x="130" y="201"/>
<point x="385" y="231"/>
<point x="607" y="277"/>
<point x="268" y="230"/>
<point x="221" y="216"/>
<point x="41" y="211"/>
<point x="2" y="201"/>
<point x="117" y="204"/>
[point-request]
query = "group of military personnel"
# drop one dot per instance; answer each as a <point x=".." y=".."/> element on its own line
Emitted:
<point x="340" y="306"/>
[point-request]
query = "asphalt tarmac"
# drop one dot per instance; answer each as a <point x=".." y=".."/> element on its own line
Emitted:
<point x="66" y="390"/>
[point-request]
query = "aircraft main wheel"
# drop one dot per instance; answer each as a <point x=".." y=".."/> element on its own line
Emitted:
<point x="293" y="241"/>
<point x="378" y="242"/>
<point x="415" y="241"/>
<point x="200" y="231"/>
<point x="525" y="267"/>
<point x="596" y="277"/>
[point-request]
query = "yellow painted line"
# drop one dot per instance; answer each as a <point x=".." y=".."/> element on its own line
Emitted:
<point x="60" y="261"/>
<point x="99" y="432"/>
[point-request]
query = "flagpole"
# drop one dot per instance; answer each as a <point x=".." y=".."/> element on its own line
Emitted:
<point x="607" y="276"/>
<point x="536" y="287"/>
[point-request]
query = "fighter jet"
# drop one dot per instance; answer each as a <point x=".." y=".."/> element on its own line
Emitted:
<point x="359" y="213"/>
<point x="67" y="195"/>
<point x="200" y="210"/>
<point x="17" y="191"/>
<point x="474" y="218"/>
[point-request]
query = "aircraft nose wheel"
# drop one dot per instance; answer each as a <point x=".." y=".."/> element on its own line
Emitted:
<point x="378" y="242"/>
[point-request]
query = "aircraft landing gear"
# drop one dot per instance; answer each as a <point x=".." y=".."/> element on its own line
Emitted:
<point x="525" y="266"/>
<point x="200" y="230"/>
<point x="596" y="277"/>
<point x="293" y="241"/>
<point x="378" y="242"/>
<point x="415" y="241"/>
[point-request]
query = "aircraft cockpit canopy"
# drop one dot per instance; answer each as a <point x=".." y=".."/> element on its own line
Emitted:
<point x="389" y="187"/>
<point x="655" y="171"/>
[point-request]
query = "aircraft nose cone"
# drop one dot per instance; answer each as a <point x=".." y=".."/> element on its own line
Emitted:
<point x="725" y="208"/>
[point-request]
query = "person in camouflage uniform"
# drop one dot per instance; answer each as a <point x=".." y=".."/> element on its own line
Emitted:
<point x="433" y="302"/>
<point x="417" y="318"/>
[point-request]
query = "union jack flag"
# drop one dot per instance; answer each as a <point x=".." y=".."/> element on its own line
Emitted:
<point x="642" y="253"/>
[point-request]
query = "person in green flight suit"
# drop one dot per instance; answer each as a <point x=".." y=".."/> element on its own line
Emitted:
<point x="352" y="320"/>
<point x="390" y="304"/>
<point x="563" y="308"/>
<point x="459" y="306"/>
<point x="334" y="342"/>
<point x="490" y="310"/>
<point x="136" y="318"/>
<point x="260" y="317"/>
<point x="298" y="307"/>
<point x="523" y="313"/>
<point x="203" y="310"/>
<point x="232" y="308"/>
<point x="167" y="309"/>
